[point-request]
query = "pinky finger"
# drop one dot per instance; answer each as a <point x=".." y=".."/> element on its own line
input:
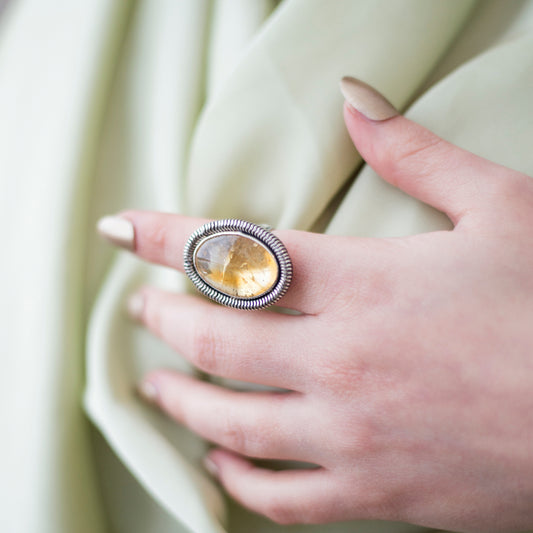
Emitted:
<point x="286" y="496"/>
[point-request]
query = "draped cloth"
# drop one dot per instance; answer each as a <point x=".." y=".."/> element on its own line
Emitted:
<point x="221" y="108"/>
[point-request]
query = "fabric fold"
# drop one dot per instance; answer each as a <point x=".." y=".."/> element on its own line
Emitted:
<point x="56" y="61"/>
<point x="271" y="145"/>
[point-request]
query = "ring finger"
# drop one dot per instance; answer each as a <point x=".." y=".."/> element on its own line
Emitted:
<point x="161" y="237"/>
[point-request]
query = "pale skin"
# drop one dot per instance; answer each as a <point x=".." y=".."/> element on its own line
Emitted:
<point x="411" y="388"/>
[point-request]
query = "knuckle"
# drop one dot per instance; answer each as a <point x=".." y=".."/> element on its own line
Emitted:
<point x="205" y="350"/>
<point x="156" y="234"/>
<point x="420" y="154"/>
<point x="338" y="374"/>
<point x="417" y="148"/>
<point x="364" y="439"/>
<point x="373" y="499"/>
<point x="288" y="512"/>
<point x="152" y="314"/>
<point x="243" y="434"/>
<point x="511" y="194"/>
<point x="371" y="286"/>
<point x="314" y="514"/>
<point x="157" y="315"/>
<point x="357" y="436"/>
<point x="513" y="185"/>
<point x="380" y="503"/>
<point x="371" y="503"/>
<point x="358" y="439"/>
<point x="281" y="512"/>
<point x="233" y="434"/>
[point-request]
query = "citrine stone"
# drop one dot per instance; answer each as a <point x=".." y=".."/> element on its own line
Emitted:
<point x="236" y="265"/>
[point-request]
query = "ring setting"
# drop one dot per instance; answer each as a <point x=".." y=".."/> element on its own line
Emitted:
<point x="238" y="264"/>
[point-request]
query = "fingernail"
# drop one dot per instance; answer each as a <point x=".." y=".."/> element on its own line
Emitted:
<point x="365" y="99"/>
<point x="135" y="306"/>
<point x="118" y="231"/>
<point x="148" y="391"/>
<point x="211" y="467"/>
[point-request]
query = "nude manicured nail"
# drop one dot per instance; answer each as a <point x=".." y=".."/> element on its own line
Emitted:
<point x="135" y="306"/>
<point x="148" y="391"/>
<point x="118" y="231"/>
<point x="211" y="467"/>
<point x="365" y="99"/>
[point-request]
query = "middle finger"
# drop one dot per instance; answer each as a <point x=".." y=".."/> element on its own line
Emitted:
<point x="257" y="347"/>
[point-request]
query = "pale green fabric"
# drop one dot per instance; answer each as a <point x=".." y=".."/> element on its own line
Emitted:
<point x="223" y="108"/>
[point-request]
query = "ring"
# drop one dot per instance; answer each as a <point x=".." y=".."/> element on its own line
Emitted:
<point x="238" y="264"/>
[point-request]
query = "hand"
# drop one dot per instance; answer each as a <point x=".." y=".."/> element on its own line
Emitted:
<point x="410" y="371"/>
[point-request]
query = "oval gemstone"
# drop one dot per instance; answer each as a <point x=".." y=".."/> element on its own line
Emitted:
<point x="236" y="265"/>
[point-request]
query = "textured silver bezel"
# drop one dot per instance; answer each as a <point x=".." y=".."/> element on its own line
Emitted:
<point x="259" y="233"/>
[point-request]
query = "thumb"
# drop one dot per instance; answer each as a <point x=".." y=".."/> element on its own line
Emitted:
<point x="413" y="158"/>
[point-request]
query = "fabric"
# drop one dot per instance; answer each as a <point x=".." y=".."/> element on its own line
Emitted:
<point x="222" y="108"/>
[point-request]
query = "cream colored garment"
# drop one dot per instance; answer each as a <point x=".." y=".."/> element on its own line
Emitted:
<point x="227" y="108"/>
